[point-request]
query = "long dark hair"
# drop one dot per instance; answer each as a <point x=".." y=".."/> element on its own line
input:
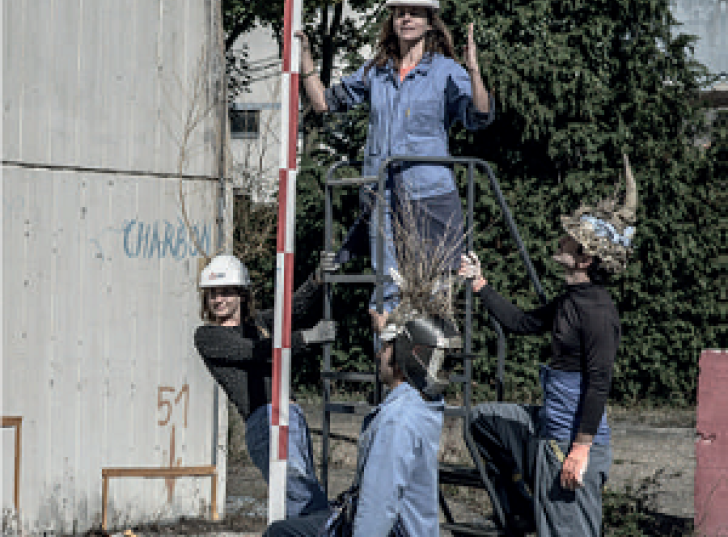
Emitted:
<point x="437" y="40"/>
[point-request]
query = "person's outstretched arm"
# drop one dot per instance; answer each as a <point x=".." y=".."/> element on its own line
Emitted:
<point x="466" y="98"/>
<point x="304" y="297"/>
<point x="481" y="97"/>
<point x="311" y="81"/>
<point x="227" y="344"/>
<point x="509" y="315"/>
<point x="351" y="90"/>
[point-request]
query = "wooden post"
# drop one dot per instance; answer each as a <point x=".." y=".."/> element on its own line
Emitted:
<point x="104" y="498"/>
<point x="213" y="497"/>
<point x="15" y="422"/>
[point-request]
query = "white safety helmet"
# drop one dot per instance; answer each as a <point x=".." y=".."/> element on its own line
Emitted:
<point x="224" y="271"/>
<point x="432" y="4"/>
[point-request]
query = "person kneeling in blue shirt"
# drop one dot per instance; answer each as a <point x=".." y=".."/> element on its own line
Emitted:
<point x="395" y="490"/>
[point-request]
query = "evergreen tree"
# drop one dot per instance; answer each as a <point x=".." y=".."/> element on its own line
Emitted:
<point x="576" y="84"/>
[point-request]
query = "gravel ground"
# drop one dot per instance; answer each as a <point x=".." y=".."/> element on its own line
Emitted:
<point x="653" y="454"/>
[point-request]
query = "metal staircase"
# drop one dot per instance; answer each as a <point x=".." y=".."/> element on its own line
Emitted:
<point x="461" y="476"/>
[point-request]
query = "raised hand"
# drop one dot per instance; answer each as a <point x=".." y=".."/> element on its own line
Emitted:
<point x="470" y="266"/>
<point x="470" y="53"/>
<point x="306" y="58"/>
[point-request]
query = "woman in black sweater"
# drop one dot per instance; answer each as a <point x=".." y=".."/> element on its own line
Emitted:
<point x="550" y="462"/>
<point x="236" y="346"/>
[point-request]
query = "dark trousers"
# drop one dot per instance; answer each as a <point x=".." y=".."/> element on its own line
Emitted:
<point x="526" y="470"/>
<point x="303" y="526"/>
<point x="427" y="232"/>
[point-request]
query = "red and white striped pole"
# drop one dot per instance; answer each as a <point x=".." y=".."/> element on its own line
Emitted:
<point x="284" y="263"/>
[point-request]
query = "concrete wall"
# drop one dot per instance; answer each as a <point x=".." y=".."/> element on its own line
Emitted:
<point x="99" y="298"/>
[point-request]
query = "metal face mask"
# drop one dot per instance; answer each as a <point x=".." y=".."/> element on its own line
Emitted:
<point x="420" y="348"/>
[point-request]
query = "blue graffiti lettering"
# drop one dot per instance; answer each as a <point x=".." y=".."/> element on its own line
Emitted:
<point x="161" y="237"/>
<point x="181" y="246"/>
<point x="169" y="239"/>
<point x="154" y="243"/>
<point x="203" y="239"/>
<point x="143" y="237"/>
<point x="129" y="224"/>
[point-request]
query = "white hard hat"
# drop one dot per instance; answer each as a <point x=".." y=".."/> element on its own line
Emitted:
<point x="224" y="271"/>
<point x="433" y="4"/>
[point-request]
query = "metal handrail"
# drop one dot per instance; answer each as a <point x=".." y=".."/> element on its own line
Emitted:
<point x="496" y="190"/>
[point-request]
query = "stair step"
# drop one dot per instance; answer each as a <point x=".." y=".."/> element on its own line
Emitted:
<point x="455" y="411"/>
<point x="463" y="476"/>
<point x="349" y="376"/>
<point x="462" y="530"/>
<point x="360" y="409"/>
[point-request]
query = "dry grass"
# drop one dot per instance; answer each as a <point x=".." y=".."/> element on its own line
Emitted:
<point x="425" y="284"/>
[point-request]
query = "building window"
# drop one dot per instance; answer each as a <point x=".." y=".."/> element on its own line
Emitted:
<point x="244" y="123"/>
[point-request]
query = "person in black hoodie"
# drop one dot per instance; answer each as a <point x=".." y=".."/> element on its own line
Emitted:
<point x="550" y="462"/>
<point x="236" y="346"/>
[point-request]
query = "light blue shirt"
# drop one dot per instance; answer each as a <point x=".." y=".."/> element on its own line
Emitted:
<point x="412" y="117"/>
<point x="397" y="466"/>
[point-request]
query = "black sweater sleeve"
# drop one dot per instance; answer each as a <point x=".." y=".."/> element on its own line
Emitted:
<point x="227" y="344"/>
<point x="600" y="335"/>
<point x="512" y="317"/>
<point x="301" y="303"/>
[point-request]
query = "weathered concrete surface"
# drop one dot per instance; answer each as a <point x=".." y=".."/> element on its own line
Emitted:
<point x="664" y="456"/>
<point x="653" y="453"/>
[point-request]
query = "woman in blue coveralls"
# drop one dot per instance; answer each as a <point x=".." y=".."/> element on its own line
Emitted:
<point x="416" y="90"/>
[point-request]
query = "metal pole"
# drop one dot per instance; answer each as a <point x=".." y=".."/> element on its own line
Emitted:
<point x="284" y="264"/>
<point x="381" y="200"/>
<point x="221" y="93"/>
<point x="467" y="387"/>
<point x="326" y="423"/>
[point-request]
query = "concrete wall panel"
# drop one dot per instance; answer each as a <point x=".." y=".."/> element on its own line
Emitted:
<point x="99" y="358"/>
<point x="63" y="98"/>
<point x="99" y="270"/>
<point x="109" y="84"/>
<point x="32" y="87"/>
<point x="12" y="64"/>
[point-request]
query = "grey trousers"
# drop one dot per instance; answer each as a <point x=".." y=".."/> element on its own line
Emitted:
<point x="526" y="472"/>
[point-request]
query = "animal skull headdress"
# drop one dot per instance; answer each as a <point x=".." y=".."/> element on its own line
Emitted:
<point x="606" y="230"/>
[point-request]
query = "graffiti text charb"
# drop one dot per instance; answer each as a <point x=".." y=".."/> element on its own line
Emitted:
<point x="162" y="238"/>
